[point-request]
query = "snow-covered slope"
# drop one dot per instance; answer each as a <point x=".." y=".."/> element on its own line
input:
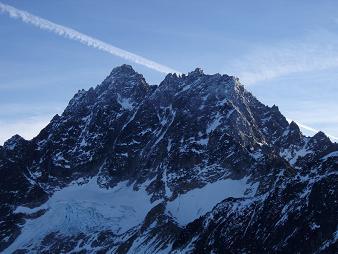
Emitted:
<point x="190" y="166"/>
<point x="195" y="203"/>
<point x="85" y="207"/>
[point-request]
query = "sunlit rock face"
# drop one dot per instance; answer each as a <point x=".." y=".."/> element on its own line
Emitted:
<point x="194" y="165"/>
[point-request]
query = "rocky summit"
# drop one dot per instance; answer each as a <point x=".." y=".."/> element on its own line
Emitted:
<point x="194" y="165"/>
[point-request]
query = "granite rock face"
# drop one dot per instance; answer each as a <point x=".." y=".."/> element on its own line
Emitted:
<point x="194" y="165"/>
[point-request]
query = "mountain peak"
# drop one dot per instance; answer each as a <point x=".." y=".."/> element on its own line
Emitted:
<point x="294" y="126"/>
<point x="13" y="142"/>
<point x="123" y="69"/>
<point x="196" y="72"/>
<point x="122" y="82"/>
<point x="320" y="136"/>
<point x="122" y="72"/>
<point x="122" y="79"/>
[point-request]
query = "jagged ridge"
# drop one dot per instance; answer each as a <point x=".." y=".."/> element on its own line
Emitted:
<point x="212" y="166"/>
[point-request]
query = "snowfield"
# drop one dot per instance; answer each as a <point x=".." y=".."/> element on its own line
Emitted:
<point x="85" y="208"/>
<point x="197" y="202"/>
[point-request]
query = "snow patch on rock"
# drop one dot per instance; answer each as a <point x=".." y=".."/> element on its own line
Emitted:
<point x="197" y="202"/>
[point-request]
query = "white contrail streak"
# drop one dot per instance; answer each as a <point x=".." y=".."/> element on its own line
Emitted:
<point x="311" y="129"/>
<point x="82" y="38"/>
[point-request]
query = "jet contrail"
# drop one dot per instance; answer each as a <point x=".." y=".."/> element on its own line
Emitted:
<point x="311" y="129"/>
<point x="82" y="38"/>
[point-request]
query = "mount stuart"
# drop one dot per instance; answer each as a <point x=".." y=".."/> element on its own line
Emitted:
<point x="194" y="165"/>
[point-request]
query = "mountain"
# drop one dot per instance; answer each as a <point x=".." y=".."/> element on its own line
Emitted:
<point x="194" y="165"/>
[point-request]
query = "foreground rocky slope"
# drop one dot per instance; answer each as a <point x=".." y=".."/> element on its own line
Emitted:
<point x="194" y="165"/>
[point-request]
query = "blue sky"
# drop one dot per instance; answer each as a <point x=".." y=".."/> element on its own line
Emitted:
<point x="285" y="52"/>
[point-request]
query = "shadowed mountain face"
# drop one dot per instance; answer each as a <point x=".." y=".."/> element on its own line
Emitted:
<point x="194" y="165"/>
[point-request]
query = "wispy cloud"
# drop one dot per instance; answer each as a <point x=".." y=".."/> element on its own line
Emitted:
<point x="321" y="112"/>
<point x="27" y="127"/>
<point x="320" y="116"/>
<point x="82" y="38"/>
<point x="10" y="110"/>
<point x="312" y="130"/>
<point x="317" y="51"/>
<point x="27" y="120"/>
